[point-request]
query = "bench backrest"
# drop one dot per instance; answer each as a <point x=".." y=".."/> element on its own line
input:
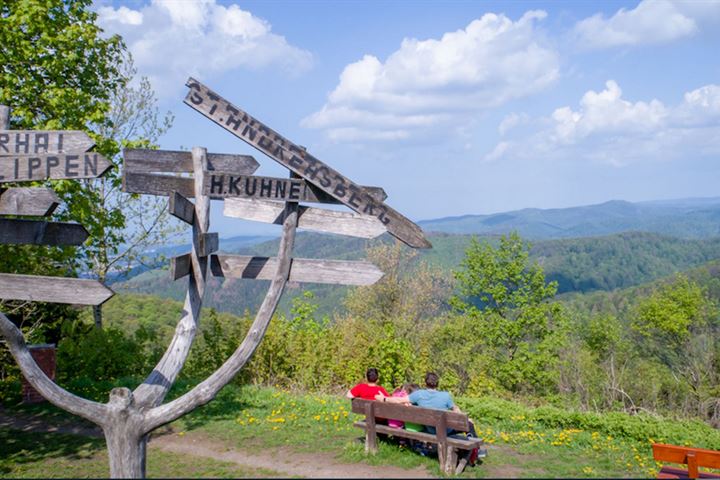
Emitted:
<point x="408" y="413"/>
<point x="692" y="457"/>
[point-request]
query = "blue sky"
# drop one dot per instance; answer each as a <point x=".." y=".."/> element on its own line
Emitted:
<point x="453" y="107"/>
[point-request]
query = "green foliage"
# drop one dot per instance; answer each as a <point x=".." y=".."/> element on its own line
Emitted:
<point x="518" y="328"/>
<point x="99" y="355"/>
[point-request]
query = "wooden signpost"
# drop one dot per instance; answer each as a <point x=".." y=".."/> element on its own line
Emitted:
<point x="28" y="155"/>
<point x="15" y="168"/>
<point x="295" y="158"/>
<point x="129" y="416"/>
<point x="35" y="142"/>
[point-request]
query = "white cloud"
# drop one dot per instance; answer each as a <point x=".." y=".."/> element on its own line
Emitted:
<point x="512" y="121"/>
<point x="171" y="40"/>
<point x="122" y="16"/>
<point x="651" y="22"/>
<point x="425" y="83"/>
<point x="608" y="128"/>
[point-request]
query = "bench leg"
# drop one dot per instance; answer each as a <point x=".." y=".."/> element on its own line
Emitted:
<point x="370" y="441"/>
<point x="451" y="460"/>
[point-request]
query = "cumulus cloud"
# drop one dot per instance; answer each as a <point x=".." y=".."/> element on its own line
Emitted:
<point x="428" y="82"/>
<point x="651" y="22"/>
<point x="171" y="40"/>
<point x="608" y="128"/>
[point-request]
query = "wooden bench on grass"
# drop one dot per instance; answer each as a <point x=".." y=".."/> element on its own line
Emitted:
<point x="692" y="457"/>
<point x="440" y="419"/>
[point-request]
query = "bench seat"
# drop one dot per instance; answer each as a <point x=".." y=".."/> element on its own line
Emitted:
<point x="442" y="420"/>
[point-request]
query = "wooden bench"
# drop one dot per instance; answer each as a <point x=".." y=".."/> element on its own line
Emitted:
<point x="442" y="420"/>
<point x="692" y="457"/>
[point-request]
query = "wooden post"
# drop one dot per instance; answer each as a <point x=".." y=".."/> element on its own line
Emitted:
<point x="441" y="434"/>
<point x="692" y="463"/>
<point x="370" y="433"/>
<point x="4" y="117"/>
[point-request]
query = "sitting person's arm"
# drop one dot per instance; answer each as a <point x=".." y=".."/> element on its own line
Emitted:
<point x="382" y="398"/>
<point x="349" y="395"/>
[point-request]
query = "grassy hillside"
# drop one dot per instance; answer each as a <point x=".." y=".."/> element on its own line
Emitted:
<point x="688" y="218"/>
<point x="578" y="265"/>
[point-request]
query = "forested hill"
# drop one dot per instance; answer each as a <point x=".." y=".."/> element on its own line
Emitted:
<point x="578" y="265"/>
<point x="688" y="218"/>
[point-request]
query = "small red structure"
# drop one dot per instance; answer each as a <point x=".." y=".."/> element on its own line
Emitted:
<point x="44" y="355"/>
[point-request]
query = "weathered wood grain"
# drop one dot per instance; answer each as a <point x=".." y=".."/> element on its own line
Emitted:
<point x="423" y="416"/>
<point x="156" y="386"/>
<point x="34" y="288"/>
<point x="4" y="117"/>
<point x="150" y="184"/>
<point x="34" y="142"/>
<point x="305" y="270"/>
<point x="25" y="168"/>
<point x="31" y="232"/>
<point x="309" y="218"/>
<point x="180" y="266"/>
<point x="208" y="243"/>
<point x="292" y="156"/>
<point x="37" y="202"/>
<point x="181" y="208"/>
<point x="156" y="184"/>
<point x="139" y="160"/>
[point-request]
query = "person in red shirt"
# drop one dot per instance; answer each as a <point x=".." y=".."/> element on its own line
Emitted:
<point x="368" y="390"/>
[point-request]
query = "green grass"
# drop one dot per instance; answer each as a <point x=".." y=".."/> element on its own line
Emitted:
<point x="52" y="455"/>
<point x="522" y="441"/>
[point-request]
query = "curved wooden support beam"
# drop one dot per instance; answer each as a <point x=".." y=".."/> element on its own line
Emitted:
<point x="58" y="396"/>
<point x="155" y="387"/>
<point x="206" y="391"/>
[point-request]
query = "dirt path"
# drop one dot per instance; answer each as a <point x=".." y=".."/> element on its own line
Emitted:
<point x="283" y="460"/>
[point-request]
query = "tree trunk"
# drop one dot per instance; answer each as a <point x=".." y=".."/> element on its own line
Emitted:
<point x="126" y="441"/>
<point x="97" y="315"/>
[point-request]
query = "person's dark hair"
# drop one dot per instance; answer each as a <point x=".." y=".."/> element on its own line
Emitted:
<point x="431" y="380"/>
<point x="411" y="387"/>
<point x="372" y="375"/>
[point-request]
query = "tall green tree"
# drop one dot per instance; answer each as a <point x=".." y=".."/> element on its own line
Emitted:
<point x="59" y="71"/>
<point x="516" y="324"/>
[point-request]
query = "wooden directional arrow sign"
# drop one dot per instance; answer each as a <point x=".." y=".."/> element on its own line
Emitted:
<point x="295" y="158"/>
<point x="38" y="142"/>
<point x="57" y="166"/>
<point x="154" y="184"/>
<point x="37" y="202"/>
<point x="309" y="218"/>
<point x="72" y="291"/>
<point x="139" y="160"/>
<point x="31" y="232"/>
<point x="305" y="270"/>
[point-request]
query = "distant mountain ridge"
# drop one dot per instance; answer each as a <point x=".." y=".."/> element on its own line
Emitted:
<point x="684" y="218"/>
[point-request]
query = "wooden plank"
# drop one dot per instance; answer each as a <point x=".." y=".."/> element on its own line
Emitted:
<point x="140" y="160"/>
<point x="462" y="444"/>
<point x="676" y="454"/>
<point x="310" y="218"/>
<point x="34" y="142"/>
<point x="180" y="266"/>
<point x="231" y="185"/>
<point x="181" y="208"/>
<point x="208" y="243"/>
<point x="38" y="202"/>
<point x="305" y="270"/>
<point x="292" y="156"/>
<point x="405" y="413"/>
<point x="32" y="232"/>
<point x="156" y="184"/>
<point x="34" y="288"/>
<point x="61" y="166"/>
<point x="370" y="432"/>
<point x="4" y="117"/>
